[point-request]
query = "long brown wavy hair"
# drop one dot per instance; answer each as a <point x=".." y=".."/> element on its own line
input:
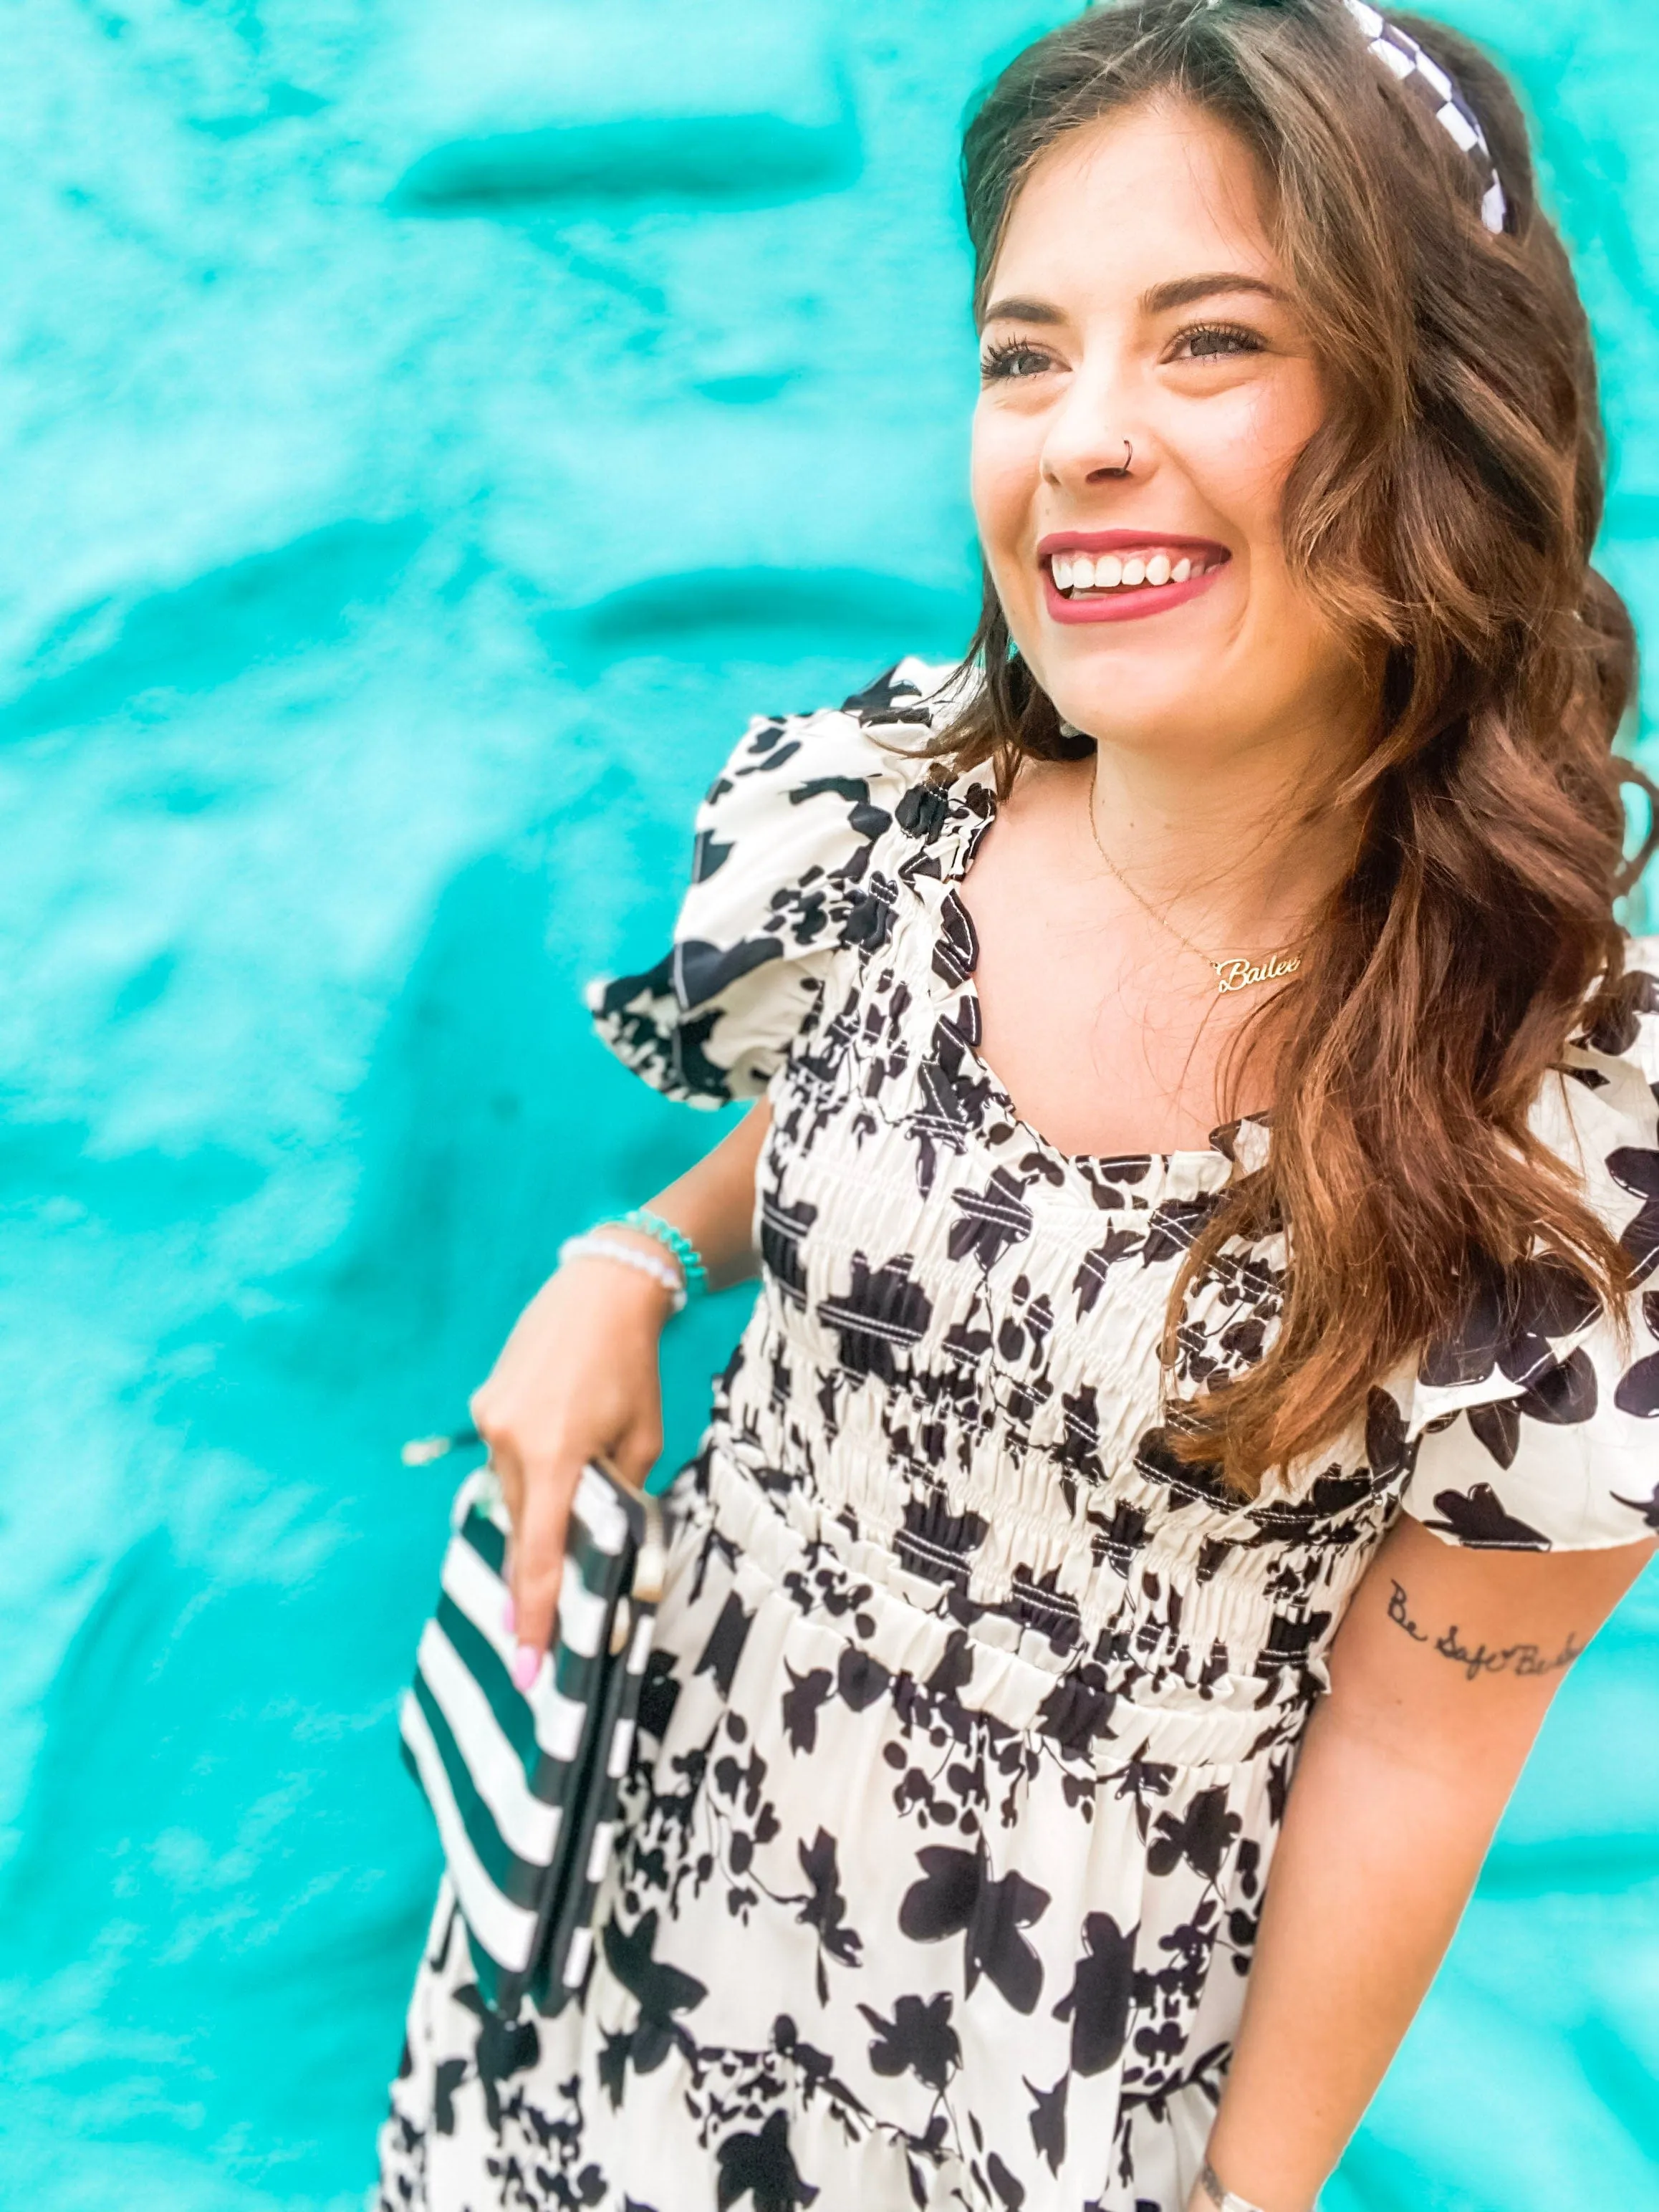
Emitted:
<point x="1444" y="515"/>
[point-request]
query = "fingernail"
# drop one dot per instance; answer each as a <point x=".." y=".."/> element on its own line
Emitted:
<point x="525" y="1660"/>
<point x="509" y="1617"/>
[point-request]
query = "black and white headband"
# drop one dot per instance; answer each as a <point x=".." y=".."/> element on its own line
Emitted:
<point x="1400" y="52"/>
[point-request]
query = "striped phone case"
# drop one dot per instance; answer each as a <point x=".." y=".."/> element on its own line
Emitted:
<point x="525" y="1785"/>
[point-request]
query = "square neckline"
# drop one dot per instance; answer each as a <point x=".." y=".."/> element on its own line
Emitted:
<point x="970" y="823"/>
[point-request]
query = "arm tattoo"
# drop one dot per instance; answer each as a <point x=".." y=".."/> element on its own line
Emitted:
<point x="1509" y="1659"/>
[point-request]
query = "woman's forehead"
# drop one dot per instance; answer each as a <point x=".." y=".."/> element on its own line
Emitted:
<point x="1157" y="192"/>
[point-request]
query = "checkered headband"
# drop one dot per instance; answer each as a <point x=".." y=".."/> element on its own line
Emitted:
<point x="1399" y="51"/>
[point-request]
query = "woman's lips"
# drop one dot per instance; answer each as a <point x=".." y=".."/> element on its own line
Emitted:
<point x="1123" y="558"/>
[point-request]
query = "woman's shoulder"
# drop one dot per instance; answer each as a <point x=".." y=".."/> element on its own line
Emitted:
<point x="802" y="794"/>
<point x="883" y="733"/>
<point x="802" y="799"/>
<point x="1538" y="1419"/>
<point x="783" y="839"/>
<point x="1600" y="1112"/>
<point x="1625" y="1027"/>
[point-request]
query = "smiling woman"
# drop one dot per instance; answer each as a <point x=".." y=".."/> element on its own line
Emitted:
<point x="1387" y="429"/>
<point x="1146" y="373"/>
<point x="1207" y="1169"/>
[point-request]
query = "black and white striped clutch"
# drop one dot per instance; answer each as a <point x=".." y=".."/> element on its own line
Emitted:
<point x="523" y="1785"/>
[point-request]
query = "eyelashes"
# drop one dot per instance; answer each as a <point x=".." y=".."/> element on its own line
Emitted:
<point x="1009" y="358"/>
<point x="1232" y="338"/>
<point x="997" y="362"/>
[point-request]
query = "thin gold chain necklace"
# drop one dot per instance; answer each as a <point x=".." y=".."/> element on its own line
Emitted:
<point x="1231" y="975"/>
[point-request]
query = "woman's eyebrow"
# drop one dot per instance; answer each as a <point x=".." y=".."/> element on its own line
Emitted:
<point x="1185" y="291"/>
<point x="1022" y="311"/>
<point x="1159" y="300"/>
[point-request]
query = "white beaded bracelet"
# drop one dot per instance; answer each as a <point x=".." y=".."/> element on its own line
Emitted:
<point x="1225" y="2200"/>
<point x="661" y="1271"/>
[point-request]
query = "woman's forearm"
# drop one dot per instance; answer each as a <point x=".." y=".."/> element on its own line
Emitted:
<point x="713" y="1203"/>
<point x="1376" y="1860"/>
<point x="1440" y="1675"/>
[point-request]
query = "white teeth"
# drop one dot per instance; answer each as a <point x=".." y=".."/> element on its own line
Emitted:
<point x="1105" y="572"/>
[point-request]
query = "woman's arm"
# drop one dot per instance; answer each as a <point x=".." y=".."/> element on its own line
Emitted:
<point x="579" y="1375"/>
<point x="1440" y="1676"/>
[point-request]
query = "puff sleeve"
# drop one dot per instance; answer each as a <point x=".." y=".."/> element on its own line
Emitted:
<point x="1538" y="1425"/>
<point x="783" y="841"/>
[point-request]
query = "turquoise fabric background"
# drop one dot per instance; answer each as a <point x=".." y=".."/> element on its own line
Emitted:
<point x="428" y="431"/>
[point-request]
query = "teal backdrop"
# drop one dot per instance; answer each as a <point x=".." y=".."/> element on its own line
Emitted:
<point x="429" y="431"/>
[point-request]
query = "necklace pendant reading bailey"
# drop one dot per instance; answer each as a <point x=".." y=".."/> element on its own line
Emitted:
<point x="1244" y="975"/>
<point x="1230" y="975"/>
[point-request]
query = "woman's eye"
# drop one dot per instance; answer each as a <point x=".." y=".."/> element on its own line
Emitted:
<point x="1214" y="341"/>
<point x="1011" y="359"/>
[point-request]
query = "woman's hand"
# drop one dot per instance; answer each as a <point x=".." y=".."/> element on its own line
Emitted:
<point x="578" y="1378"/>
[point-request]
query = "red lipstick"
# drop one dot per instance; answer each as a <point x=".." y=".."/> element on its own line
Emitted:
<point x="1127" y="602"/>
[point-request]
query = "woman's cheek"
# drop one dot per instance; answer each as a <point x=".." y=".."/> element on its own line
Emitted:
<point x="1253" y="446"/>
<point x="1002" y="485"/>
<point x="1003" y="489"/>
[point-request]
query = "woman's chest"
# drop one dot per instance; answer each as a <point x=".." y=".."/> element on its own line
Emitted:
<point x="1108" y="1034"/>
<point x="914" y="1225"/>
<point x="962" y="1330"/>
<point x="960" y="1347"/>
<point x="1104" y="1024"/>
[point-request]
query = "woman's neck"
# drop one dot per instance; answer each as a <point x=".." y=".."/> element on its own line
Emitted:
<point x="1236" y="848"/>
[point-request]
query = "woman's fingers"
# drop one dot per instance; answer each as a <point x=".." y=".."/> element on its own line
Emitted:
<point x="510" y="1474"/>
<point x="578" y="1374"/>
<point x="637" y="1451"/>
<point x="498" y="1434"/>
<point x="537" y="1562"/>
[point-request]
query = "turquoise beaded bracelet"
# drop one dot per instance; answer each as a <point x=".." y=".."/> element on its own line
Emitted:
<point x="690" y="1260"/>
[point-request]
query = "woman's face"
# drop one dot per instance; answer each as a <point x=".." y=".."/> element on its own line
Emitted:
<point x="1138" y="314"/>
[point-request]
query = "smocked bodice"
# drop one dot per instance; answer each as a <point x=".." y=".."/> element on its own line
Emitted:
<point x="953" y="1369"/>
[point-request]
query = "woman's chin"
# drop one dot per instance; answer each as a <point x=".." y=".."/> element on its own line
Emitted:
<point x="1148" y="715"/>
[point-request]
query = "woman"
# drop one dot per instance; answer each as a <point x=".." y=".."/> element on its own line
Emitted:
<point x="1205" y="1177"/>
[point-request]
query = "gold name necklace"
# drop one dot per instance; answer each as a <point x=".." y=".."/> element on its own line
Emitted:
<point x="1231" y="975"/>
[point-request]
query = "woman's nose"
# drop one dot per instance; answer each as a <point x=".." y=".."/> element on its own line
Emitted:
<point x="1094" y="436"/>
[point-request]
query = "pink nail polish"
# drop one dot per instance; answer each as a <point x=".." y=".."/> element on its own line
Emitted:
<point x="525" y="1660"/>
<point x="509" y="1617"/>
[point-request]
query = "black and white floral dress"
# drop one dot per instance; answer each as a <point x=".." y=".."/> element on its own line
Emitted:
<point x="975" y="1710"/>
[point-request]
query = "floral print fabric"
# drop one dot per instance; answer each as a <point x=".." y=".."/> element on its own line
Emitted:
<point x="975" y="1710"/>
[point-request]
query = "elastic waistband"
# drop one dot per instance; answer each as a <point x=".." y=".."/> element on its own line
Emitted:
<point x="1104" y="1713"/>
